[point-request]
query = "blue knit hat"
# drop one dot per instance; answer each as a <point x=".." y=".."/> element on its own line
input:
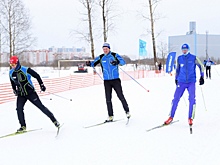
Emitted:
<point x="185" y="46"/>
<point x="106" y="45"/>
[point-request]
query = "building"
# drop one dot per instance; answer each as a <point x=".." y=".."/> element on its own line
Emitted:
<point x="45" y="56"/>
<point x="202" y="45"/>
<point x="37" y="57"/>
<point x="65" y="50"/>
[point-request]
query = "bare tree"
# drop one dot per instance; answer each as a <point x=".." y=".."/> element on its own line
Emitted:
<point x="153" y="17"/>
<point x="108" y="14"/>
<point x="152" y="6"/>
<point x="163" y="51"/>
<point x="16" y="26"/>
<point x="87" y="36"/>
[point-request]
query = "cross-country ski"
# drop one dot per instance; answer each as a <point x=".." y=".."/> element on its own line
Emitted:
<point x="102" y="123"/>
<point x="190" y="129"/>
<point x="58" y="130"/>
<point x="19" y="133"/>
<point x="160" y="126"/>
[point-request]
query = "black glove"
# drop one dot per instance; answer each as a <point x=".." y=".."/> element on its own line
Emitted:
<point x="42" y="87"/>
<point x="176" y="82"/>
<point x="15" y="92"/>
<point x="114" y="62"/>
<point x="88" y="63"/>
<point x="201" y="81"/>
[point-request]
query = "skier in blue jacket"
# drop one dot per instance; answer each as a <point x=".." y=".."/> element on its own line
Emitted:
<point x="186" y="79"/>
<point x="109" y="62"/>
<point x="207" y="64"/>
<point x="23" y="88"/>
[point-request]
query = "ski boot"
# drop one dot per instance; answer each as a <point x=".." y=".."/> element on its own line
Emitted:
<point x="190" y="122"/>
<point x="21" y="130"/>
<point x="128" y="115"/>
<point x="57" y="124"/>
<point x="168" y="121"/>
<point x="109" y="119"/>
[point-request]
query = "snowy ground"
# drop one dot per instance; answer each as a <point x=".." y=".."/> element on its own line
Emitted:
<point x="116" y="143"/>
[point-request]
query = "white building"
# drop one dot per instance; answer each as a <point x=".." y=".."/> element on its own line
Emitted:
<point x="44" y="56"/>
<point x="202" y="45"/>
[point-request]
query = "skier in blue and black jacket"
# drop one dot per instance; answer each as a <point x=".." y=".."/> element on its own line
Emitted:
<point x="207" y="64"/>
<point x="109" y="62"/>
<point x="186" y="79"/>
<point x="23" y="88"/>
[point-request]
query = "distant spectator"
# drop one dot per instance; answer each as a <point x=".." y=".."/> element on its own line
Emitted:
<point x="159" y="66"/>
<point x="207" y="65"/>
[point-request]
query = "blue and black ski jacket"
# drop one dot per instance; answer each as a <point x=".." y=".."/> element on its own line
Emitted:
<point x="21" y="80"/>
<point x="110" y="71"/>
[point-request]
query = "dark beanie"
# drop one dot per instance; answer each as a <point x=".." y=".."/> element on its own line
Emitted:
<point x="106" y="45"/>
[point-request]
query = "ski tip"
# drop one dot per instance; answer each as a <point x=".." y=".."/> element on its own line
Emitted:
<point x="58" y="130"/>
<point x="127" y="122"/>
<point x="190" y="128"/>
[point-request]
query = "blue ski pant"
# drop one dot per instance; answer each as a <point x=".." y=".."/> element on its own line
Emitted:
<point x="180" y="88"/>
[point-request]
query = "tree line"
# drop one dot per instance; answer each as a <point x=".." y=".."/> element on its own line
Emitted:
<point x="15" y="23"/>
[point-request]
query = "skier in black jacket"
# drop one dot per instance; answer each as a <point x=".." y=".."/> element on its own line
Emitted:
<point x="23" y="88"/>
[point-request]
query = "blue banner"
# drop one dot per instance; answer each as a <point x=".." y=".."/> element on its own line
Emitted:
<point x="170" y="62"/>
<point x="142" y="48"/>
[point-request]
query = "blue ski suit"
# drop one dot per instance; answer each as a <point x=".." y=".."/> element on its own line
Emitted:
<point x="186" y="78"/>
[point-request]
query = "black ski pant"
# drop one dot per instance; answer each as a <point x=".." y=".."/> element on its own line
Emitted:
<point x="34" y="99"/>
<point x="116" y="85"/>
<point x="208" y="71"/>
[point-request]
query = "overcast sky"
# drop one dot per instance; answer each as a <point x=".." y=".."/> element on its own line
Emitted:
<point x="53" y="20"/>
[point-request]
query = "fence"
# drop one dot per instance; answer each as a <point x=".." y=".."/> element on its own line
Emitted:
<point x="71" y="82"/>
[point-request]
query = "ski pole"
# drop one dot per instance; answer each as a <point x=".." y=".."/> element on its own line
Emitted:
<point x="59" y="96"/>
<point x="135" y="80"/>
<point x="47" y="98"/>
<point x="203" y="98"/>
<point x="97" y="73"/>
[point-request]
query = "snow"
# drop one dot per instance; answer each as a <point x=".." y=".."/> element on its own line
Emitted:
<point x="116" y="143"/>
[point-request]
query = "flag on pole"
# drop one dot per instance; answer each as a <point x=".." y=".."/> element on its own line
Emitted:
<point x="142" y="48"/>
<point x="170" y="62"/>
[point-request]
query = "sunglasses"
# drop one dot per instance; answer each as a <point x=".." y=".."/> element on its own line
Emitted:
<point x="13" y="64"/>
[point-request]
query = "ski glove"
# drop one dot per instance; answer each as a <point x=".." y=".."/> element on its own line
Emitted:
<point x="88" y="63"/>
<point x="42" y="87"/>
<point x="15" y="92"/>
<point x="176" y="82"/>
<point x="201" y="81"/>
<point x="114" y="62"/>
